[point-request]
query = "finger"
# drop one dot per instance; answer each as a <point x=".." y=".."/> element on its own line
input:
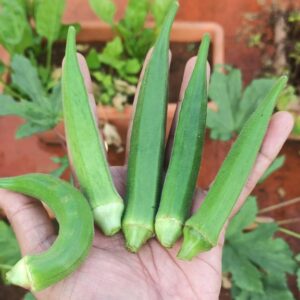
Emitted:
<point x="278" y="131"/>
<point x="119" y="177"/>
<point x="30" y="222"/>
<point x="148" y="56"/>
<point x="88" y="84"/>
<point x="189" y="67"/>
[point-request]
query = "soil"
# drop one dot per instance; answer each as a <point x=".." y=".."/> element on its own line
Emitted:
<point x="11" y="293"/>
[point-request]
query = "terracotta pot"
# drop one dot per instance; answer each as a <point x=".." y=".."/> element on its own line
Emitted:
<point x="181" y="32"/>
<point x="120" y="119"/>
<point x="185" y="32"/>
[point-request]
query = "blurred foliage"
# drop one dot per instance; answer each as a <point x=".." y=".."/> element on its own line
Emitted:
<point x="32" y="90"/>
<point x="275" y="32"/>
<point x="40" y="109"/>
<point x="234" y="104"/>
<point x="255" y="262"/>
<point x="122" y="58"/>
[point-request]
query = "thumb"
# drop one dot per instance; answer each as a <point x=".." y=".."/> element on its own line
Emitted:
<point x="30" y="221"/>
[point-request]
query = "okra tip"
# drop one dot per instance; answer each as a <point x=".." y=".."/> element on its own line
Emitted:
<point x="194" y="242"/>
<point x="168" y="231"/>
<point x="136" y="236"/>
<point x="72" y="31"/>
<point x="108" y="217"/>
<point x="18" y="275"/>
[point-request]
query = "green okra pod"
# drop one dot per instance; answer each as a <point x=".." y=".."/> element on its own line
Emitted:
<point x="85" y="146"/>
<point x="182" y="172"/>
<point x="201" y="232"/>
<point x="147" y="143"/>
<point x="76" y="231"/>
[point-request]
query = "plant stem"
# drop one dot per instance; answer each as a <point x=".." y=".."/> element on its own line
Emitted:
<point x="10" y="90"/>
<point x="288" y="221"/>
<point x="49" y="57"/>
<point x="290" y="232"/>
<point x="280" y="205"/>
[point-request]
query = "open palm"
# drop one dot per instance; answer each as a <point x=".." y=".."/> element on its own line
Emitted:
<point x="110" y="271"/>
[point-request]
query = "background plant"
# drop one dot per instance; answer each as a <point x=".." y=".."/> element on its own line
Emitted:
<point x="28" y="30"/>
<point x="116" y="68"/>
<point x="255" y="261"/>
<point x="233" y="104"/>
<point x="275" y="31"/>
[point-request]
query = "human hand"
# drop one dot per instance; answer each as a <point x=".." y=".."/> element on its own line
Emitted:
<point x="110" y="271"/>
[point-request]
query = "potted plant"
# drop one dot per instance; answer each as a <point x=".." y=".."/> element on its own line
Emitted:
<point x="116" y="64"/>
<point x="30" y="89"/>
<point x="274" y="32"/>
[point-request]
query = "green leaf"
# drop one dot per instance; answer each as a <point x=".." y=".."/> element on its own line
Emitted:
<point x="257" y="261"/>
<point x="275" y="288"/>
<point x="29" y="296"/>
<point x="25" y="78"/>
<point x="10" y="107"/>
<point x="234" y="106"/>
<point x="159" y="10"/>
<point x="92" y="59"/>
<point x="113" y="49"/>
<point x="138" y="45"/>
<point x="244" y="274"/>
<point x="135" y="15"/>
<point x="111" y="55"/>
<point x="271" y="254"/>
<point x="15" y="30"/>
<point x="132" y="66"/>
<point x="55" y="101"/>
<point x="64" y="30"/>
<point x="245" y="217"/>
<point x="9" y="248"/>
<point x="104" y="9"/>
<point x="44" y="110"/>
<point x="219" y="92"/>
<point x="48" y="15"/>
<point x="287" y="98"/>
<point x="105" y="79"/>
<point x="297" y="257"/>
<point x="2" y="68"/>
<point x="29" y="129"/>
<point x="253" y="94"/>
<point x="63" y="163"/>
<point x="276" y="164"/>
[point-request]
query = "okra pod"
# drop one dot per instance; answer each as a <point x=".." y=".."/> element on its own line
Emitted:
<point x="201" y="232"/>
<point x="185" y="159"/>
<point x="85" y="146"/>
<point x="147" y="143"/>
<point x="76" y="231"/>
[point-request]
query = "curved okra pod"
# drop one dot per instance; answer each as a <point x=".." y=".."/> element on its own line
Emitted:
<point x="182" y="173"/>
<point x="202" y="230"/>
<point x="85" y="147"/>
<point x="147" y="143"/>
<point x="76" y="231"/>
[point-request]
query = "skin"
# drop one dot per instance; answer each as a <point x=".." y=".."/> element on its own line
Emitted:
<point x="111" y="272"/>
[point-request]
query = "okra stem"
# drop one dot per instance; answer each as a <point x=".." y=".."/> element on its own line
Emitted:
<point x="182" y="172"/>
<point x="147" y="143"/>
<point x="76" y="231"/>
<point x="202" y="230"/>
<point x="85" y="146"/>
